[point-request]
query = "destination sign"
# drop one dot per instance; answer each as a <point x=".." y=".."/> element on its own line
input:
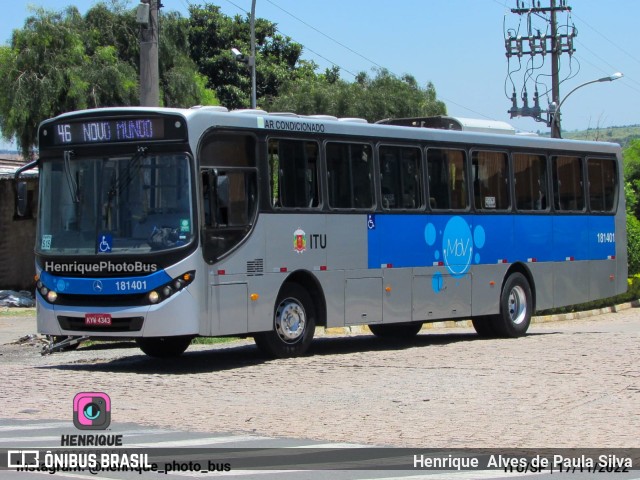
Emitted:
<point x="107" y="131"/>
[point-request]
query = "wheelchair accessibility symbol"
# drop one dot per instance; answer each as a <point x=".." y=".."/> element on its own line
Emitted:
<point x="104" y="243"/>
<point x="371" y="222"/>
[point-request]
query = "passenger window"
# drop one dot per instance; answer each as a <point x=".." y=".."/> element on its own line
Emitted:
<point x="349" y="175"/>
<point x="400" y="177"/>
<point x="446" y="170"/>
<point x="490" y="180"/>
<point x="530" y="177"/>
<point x="603" y="183"/>
<point x="568" y="193"/>
<point x="293" y="173"/>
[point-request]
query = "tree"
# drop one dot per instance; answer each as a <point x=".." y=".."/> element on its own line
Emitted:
<point x="41" y="74"/>
<point x="181" y="84"/>
<point x="212" y="35"/>
<point x="383" y="96"/>
<point x="62" y="61"/>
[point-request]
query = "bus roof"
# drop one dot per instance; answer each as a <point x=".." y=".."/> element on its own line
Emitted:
<point x="451" y="129"/>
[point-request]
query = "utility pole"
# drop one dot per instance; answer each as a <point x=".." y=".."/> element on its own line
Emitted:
<point x="555" y="69"/>
<point x="147" y="17"/>
<point x="554" y="44"/>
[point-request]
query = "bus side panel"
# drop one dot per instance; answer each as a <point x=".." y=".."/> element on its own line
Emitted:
<point x="229" y="307"/>
<point x="332" y="284"/>
<point x="570" y="283"/>
<point x="441" y="296"/>
<point x="542" y="274"/>
<point x="486" y="289"/>
<point x="396" y="295"/>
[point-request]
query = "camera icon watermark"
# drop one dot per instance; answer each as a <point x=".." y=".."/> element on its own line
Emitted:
<point x="91" y="411"/>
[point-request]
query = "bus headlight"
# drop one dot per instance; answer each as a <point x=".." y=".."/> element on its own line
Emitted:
<point x="52" y="296"/>
<point x="170" y="288"/>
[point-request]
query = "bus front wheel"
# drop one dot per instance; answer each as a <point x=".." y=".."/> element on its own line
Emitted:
<point x="163" y="347"/>
<point x="516" y="303"/>
<point x="293" y="324"/>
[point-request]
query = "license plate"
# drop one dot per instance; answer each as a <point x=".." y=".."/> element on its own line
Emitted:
<point x="97" y="319"/>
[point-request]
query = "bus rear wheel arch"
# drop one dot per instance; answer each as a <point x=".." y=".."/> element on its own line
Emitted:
<point x="294" y="322"/>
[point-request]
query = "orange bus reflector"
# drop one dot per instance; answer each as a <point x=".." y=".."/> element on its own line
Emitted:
<point x="254" y="297"/>
<point x="387" y="289"/>
<point x="492" y="283"/>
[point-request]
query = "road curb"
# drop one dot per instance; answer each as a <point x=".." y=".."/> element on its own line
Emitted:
<point x="561" y="317"/>
<point x="363" y="329"/>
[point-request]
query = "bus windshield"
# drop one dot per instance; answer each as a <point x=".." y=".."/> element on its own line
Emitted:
<point x="120" y="204"/>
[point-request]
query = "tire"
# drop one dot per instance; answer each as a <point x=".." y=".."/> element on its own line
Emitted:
<point x="164" y="347"/>
<point x="294" y="324"/>
<point x="516" y="304"/>
<point x="483" y="326"/>
<point x="397" y="331"/>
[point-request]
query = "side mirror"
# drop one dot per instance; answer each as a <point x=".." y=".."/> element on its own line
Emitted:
<point x="21" y="199"/>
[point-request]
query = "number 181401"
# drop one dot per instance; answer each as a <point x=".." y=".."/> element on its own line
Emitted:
<point x="606" y="237"/>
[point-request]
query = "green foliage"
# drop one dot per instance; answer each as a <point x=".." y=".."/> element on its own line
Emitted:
<point x="622" y="135"/>
<point x="633" y="244"/>
<point x="212" y="35"/>
<point x="62" y="61"/>
<point x="42" y="74"/>
<point x="382" y="96"/>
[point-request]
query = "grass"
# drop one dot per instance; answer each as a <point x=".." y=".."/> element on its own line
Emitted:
<point x="17" y="312"/>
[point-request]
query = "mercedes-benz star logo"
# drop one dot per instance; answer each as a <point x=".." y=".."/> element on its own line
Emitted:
<point x="97" y="286"/>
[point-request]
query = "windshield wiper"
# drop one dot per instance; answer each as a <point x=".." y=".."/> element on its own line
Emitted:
<point x="118" y="184"/>
<point x="71" y="182"/>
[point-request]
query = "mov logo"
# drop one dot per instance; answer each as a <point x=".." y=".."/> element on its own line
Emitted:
<point x="91" y="411"/>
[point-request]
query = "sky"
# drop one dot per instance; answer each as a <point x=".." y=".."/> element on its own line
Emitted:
<point x="458" y="45"/>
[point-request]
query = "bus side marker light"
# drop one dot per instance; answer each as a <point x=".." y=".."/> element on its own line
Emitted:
<point x="612" y="277"/>
<point x="254" y="297"/>
<point x="387" y="289"/>
<point x="492" y="283"/>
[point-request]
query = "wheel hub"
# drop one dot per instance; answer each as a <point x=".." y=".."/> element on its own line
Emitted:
<point x="517" y="305"/>
<point x="290" y="321"/>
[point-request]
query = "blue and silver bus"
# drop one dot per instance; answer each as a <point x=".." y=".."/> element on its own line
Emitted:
<point x="163" y="225"/>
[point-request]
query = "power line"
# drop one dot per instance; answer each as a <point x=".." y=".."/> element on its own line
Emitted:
<point x="607" y="39"/>
<point x="446" y="100"/>
<point x="307" y="48"/>
<point x="325" y="35"/>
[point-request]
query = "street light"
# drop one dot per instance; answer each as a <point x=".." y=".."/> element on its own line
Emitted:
<point x="251" y="60"/>
<point x="555" y="120"/>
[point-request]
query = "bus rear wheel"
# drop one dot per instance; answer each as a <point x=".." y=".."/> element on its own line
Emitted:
<point x="516" y="303"/>
<point x="293" y="324"/>
<point x="164" y="347"/>
<point x="398" y="330"/>
<point x="483" y="326"/>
